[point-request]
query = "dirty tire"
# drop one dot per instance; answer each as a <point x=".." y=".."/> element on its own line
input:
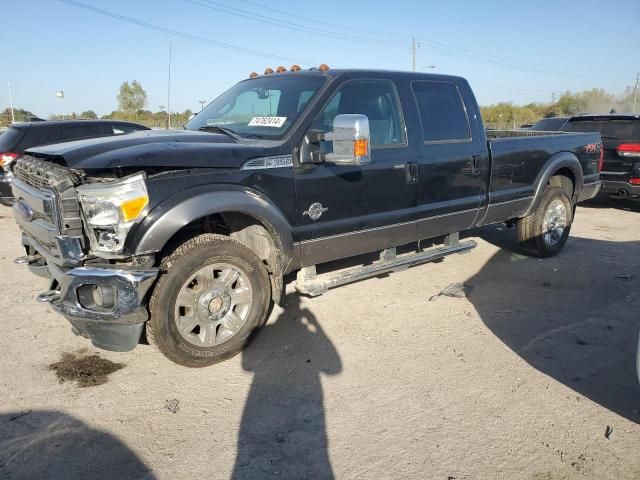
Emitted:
<point x="207" y="249"/>
<point x="530" y="228"/>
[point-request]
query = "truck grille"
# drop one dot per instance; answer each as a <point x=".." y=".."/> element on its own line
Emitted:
<point x="57" y="182"/>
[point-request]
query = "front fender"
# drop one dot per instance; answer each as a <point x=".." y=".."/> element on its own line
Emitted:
<point x="557" y="162"/>
<point x="177" y="211"/>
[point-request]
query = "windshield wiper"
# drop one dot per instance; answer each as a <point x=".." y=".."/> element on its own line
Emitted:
<point x="216" y="128"/>
<point x="610" y="137"/>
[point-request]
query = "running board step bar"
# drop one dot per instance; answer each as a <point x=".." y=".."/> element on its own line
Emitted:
<point x="309" y="283"/>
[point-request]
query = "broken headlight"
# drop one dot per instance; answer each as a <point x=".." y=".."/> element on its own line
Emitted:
<point x="111" y="209"/>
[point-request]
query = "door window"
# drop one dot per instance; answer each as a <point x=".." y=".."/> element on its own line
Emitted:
<point x="378" y="100"/>
<point x="441" y="111"/>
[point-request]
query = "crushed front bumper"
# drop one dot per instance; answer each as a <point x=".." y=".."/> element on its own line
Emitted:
<point x="115" y="324"/>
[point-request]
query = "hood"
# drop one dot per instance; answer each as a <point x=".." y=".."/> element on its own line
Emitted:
<point x="153" y="148"/>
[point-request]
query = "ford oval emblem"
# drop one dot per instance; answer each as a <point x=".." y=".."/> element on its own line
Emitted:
<point x="24" y="210"/>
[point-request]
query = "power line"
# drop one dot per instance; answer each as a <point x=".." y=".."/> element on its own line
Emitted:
<point x="188" y="36"/>
<point x="446" y="49"/>
<point x="317" y="21"/>
<point x="287" y="25"/>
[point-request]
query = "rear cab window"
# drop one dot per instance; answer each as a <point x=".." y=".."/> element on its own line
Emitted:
<point x="442" y="111"/>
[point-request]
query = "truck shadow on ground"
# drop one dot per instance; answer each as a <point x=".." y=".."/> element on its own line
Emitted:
<point x="53" y="445"/>
<point x="574" y="317"/>
<point x="283" y="431"/>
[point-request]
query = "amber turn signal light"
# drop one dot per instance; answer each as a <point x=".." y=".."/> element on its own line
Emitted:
<point x="360" y="148"/>
<point x="253" y="75"/>
<point x="324" y="67"/>
<point x="295" y="68"/>
<point x="268" y="71"/>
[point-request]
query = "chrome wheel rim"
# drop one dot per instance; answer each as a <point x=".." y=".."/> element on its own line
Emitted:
<point x="213" y="304"/>
<point x="555" y="222"/>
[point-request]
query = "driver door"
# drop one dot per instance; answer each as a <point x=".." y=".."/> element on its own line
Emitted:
<point x="346" y="210"/>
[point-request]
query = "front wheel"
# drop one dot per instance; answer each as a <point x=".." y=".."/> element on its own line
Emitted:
<point x="545" y="231"/>
<point x="212" y="294"/>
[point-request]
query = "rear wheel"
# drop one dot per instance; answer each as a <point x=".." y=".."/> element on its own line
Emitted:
<point x="213" y="293"/>
<point x="545" y="231"/>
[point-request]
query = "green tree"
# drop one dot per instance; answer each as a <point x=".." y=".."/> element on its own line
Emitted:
<point x="132" y="98"/>
<point x="89" y="115"/>
<point x="20" y="114"/>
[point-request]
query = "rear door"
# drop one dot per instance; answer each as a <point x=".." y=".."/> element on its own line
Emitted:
<point x="615" y="131"/>
<point x="452" y="164"/>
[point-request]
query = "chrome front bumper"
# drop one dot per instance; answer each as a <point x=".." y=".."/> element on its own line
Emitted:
<point x="116" y="327"/>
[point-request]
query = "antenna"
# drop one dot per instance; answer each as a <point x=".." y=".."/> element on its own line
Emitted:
<point x="169" y="92"/>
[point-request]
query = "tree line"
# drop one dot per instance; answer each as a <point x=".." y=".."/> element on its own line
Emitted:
<point x="133" y="106"/>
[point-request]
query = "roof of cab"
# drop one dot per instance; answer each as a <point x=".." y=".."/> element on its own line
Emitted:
<point x="335" y="72"/>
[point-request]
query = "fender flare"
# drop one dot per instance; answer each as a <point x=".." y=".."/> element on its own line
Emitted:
<point x="166" y="219"/>
<point x="555" y="163"/>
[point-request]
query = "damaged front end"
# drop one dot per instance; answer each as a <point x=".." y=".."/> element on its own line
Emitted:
<point x="73" y="233"/>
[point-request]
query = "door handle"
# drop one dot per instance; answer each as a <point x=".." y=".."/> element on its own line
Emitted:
<point x="475" y="165"/>
<point x="411" y="172"/>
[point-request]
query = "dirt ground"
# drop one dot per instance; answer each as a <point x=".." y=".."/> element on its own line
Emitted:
<point x="530" y="377"/>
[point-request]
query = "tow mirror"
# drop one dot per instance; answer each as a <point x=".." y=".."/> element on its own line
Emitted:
<point x="350" y="138"/>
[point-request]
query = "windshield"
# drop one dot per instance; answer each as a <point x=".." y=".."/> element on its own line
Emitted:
<point x="265" y="107"/>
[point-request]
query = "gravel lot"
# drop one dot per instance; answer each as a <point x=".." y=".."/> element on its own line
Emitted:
<point x="532" y="376"/>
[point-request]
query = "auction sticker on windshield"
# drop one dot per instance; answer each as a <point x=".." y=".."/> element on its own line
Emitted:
<point x="276" y="122"/>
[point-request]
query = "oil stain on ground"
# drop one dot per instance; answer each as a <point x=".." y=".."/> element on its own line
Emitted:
<point x="88" y="370"/>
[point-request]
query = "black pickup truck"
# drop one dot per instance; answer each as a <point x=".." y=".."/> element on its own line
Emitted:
<point x="188" y="234"/>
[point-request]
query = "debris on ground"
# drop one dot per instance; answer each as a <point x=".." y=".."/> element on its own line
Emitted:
<point x="626" y="276"/>
<point x="172" y="405"/>
<point x="607" y="432"/>
<point x="15" y="417"/>
<point x="86" y="370"/>
<point x="455" y="290"/>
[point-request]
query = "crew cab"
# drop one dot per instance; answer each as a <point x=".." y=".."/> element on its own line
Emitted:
<point x="188" y="235"/>
<point x="621" y="144"/>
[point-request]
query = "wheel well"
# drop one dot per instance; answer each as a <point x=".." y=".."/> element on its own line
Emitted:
<point x="250" y="231"/>
<point x="566" y="179"/>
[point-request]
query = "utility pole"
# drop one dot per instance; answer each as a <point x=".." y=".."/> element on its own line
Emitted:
<point x="13" y="118"/>
<point x="169" y="92"/>
<point x="553" y="97"/>
<point x="202" y="102"/>
<point x="413" y="53"/>
<point x="635" y="93"/>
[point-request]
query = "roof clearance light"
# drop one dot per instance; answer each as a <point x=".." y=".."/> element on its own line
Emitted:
<point x="268" y="71"/>
<point x="253" y="75"/>
<point x="295" y="68"/>
<point x="281" y="69"/>
<point x="323" y="67"/>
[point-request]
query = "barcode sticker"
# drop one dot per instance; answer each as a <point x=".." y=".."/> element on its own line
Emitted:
<point x="276" y="122"/>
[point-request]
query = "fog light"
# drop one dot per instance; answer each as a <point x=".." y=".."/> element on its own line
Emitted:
<point x="104" y="296"/>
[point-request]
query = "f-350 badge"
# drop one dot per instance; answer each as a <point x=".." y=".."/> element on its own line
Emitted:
<point x="315" y="211"/>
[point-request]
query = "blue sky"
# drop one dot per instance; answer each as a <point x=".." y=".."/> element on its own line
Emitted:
<point x="509" y="51"/>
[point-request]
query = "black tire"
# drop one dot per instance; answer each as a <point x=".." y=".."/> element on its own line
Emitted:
<point x="176" y="269"/>
<point x="530" y="228"/>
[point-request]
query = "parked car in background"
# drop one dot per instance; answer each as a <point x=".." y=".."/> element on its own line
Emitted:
<point x="22" y="136"/>
<point x="551" y="124"/>
<point x="621" y="141"/>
